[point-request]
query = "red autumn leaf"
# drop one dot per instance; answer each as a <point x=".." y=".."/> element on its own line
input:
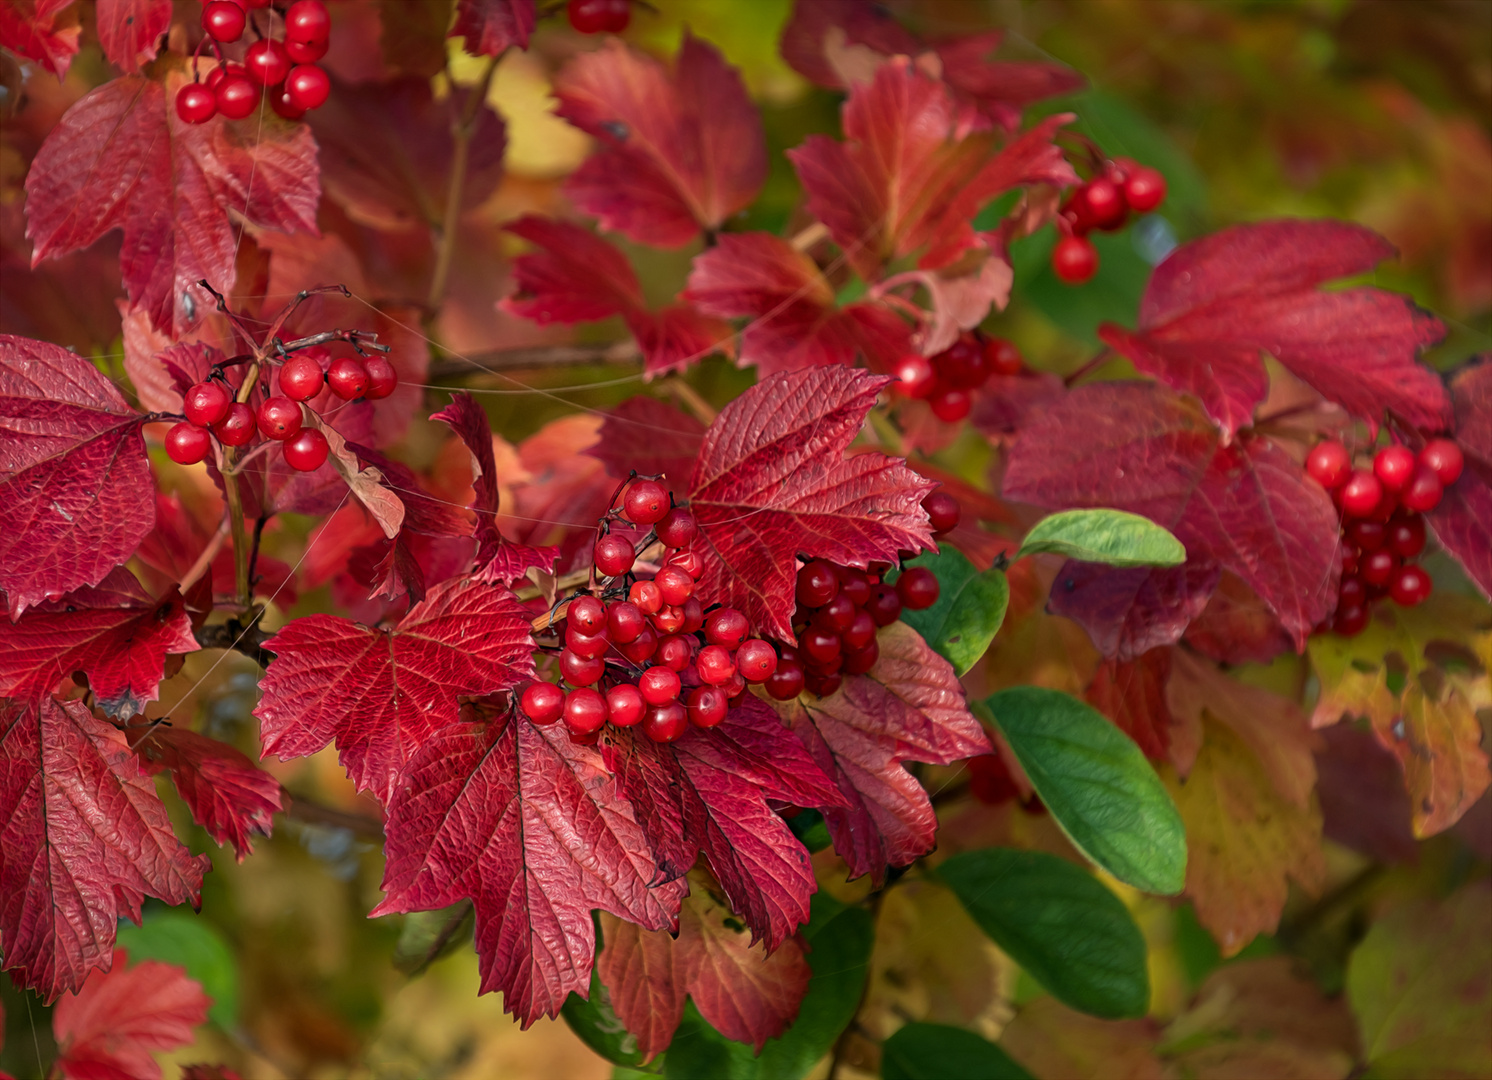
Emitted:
<point x="817" y="23"/>
<point x="535" y="832"/>
<point x="566" y="492"/>
<point x="130" y="30"/>
<point x="31" y="28"/>
<point x="1247" y="505"/>
<point x="772" y="482"/>
<point x="794" y="321"/>
<point x="84" y="840"/>
<point x="75" y="485"/>
<point x="116" y="633"/>
<point x="180" y="536"/>
<point x="498" y="558"/>
<point x="490" y="26"/>
<point x="1216" y="304"/>
<point x="1236" y="627"/>
<point x="1363" y="802"/>
<point x="112" y="1026"/>
<point x="121" y="158"/>
<point x="709" y="792"/>
<point x="1132" y="693"/>
<point x="228" y="795"/>
<point x="652" y="437"/>
<point x="382" y="693"/>
<point x="1463" y="520"/>
<point x="1127" y="612"/>
<point x="682" y="150"/>
<point x="1001" y="88"/>
<point x="909" y="707"/>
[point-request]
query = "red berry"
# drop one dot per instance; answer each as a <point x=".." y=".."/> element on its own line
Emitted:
<point x="914" y="374"/>
<point x="756" y="660"/>
<point x="1100" y="204"/>
<point x="1394" y="466"/>
<point x="659" y="685"/>
<point x="836" y="615"/>
<point x="206" y="403"/>
<point x="1367" y="535"/>
<point x="862" y="660"/>
<point x="822" y="684"/>
<point x="624" y="622"/>
<point x="1406" y="535"/>
<point x="918" y="588"/>
<point x="715" y="665"/>
<point x="642" y="648"/>
<point x="195" y="103"/>
<point x="687" y="561"/>
<point x="1349" y="560"/>
<point x="587" y="615"/>
<point x="943" y="512"/>
<point x="1003" y="358"/>
<point x="1361" y="494"/>
<point x="237" y="427"/>
<point x="279" y="101"/>
<point x="647" y="597"/>
<point x="280" y="418"/>
<point x="1074" y="259"/>
<point x="707" y="706"/>
<point x="237" y="95"/>
<point x="669" y="619"/>
<point x="307" y="86"/>
<point x="542" y="702"/>
<point x="817" y="584"/>
<point x="1445" y="458"/>
<point x="821" y="645"/>
<point x="860" y="632"/>
<point x="726" y="627"/>
<point x="307" y="451"/>
<point x="646" y="502"/>
<point x="962" y="364"/>
<point x="301" y="378"/>
<point x="586" y="646"/>
<point x="308" y="21"/>
<point x="1329" y="464"/>
<point x="677" y="529"/>
<point x="624" y="704"/>
<point x="600" y="16"/>
<point x="1377" y="568"/>
<point x="665" y="723"/>
<point x="675" y="585"/>
<point x="348" y="378"/>
<point x="1424" y="490"/>
<point x="585" y="710"/>
<point x="787" y="681"/>
<point x="950" y="404"/>
<point x="613" y="557"/>
<point x="1352" y="593"/>
<point x="267" y="62"/>
<point x="578" y="670"/>
<point x="216" y="76"/>
<point x="1410" y="586"/>
<point x="224" y="21"/>
<point x="1144" y="189"/>
<point x="884" y="605"/>
<point x="1350" y="622"/>
<point x="675" y="651"/>
<point x="186" y="443"/>
<point x="305" y="52"/>
<point x="694" y="615"/>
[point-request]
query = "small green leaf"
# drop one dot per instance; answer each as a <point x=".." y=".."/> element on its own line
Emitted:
<point x="699" y="1052"/>
<point x="970" y="608"/>
<point x="1114" y="537"/>
<point x="192" y="942"/>
<point x="1059" y="923"/>
<point x="594" y="1020"/>
<point x="937" y="1052"/>
<point x="1097" y="785"/>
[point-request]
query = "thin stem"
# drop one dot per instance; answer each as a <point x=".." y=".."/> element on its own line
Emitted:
<point x="461" y="135"/>
<point x="209" y="553"/>
<point x="313" y="813"/>
<point x="235" y="520"/>
<point x="691" y="400"/>
<point x="495" y="361"/>
<point x="1090" y="367"/>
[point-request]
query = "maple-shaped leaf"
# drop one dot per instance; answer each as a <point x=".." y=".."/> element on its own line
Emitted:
<point x="113" y="1024"/>
<point x="121" y="158"/>
<point x="1128" y="611"/>
<point x="116" y="633"/>
<point x="380" y="694"/>
<point x="794" y="320"/>
<point x="772" y="482"/>
<point x="1000" y="88"/>
<point x="42" y="30"/>
<point x="1246" y="505"/>
<point x="130" y="30"/>
<point x="566" y="490"/>
<point x="681" y="150"/>
<point x="746" y="993"/>
<point x="652" y="437"/>
<point x="228" y="795"/>
<point x="1463" y="520"/>
<point x="915" y="170"/>
<point x="490" y="26"/>
<point x="708" y="792"/>
<point x="535" y="832"/>
<point x="1216" y="305"/>
<point x="909" y="707"/>
<point x="76" y="494"/>
<point x="84" y="839"/>
<point x="1132" y="693"/>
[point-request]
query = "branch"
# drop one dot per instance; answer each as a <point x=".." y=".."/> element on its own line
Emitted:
<point x="313" y="813"/>
<point x="233" y="635"/>
<point x="461" y="133"/>
<point x="536" y="356"/>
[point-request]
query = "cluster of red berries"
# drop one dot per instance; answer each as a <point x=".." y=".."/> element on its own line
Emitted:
<point x="210" y="408"/>
<point x="599" y="16"/>
<point x="945" y="380"/>
<point x="286" y="70"/>
<point x="1382" y="530"/>
<point x="1103" y="203"/>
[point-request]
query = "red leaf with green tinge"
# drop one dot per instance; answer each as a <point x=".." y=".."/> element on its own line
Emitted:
<point x="1463" y="520"/>
<point x="490" y="26"/>
<point x="115" y="1023"/>
<point x="130" y="30"/>
<point x="31" y="28"/>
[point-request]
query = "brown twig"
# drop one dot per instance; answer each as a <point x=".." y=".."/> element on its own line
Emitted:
<point x="536" y="356"/>
<point x="314" y="813"/>
<point x="233" y="634"/>
<point x="461" y="134"/>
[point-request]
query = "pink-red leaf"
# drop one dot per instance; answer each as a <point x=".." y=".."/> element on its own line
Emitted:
<point x="130" y="30"/>
<point x="76" y="494"/>
<point x="83" y="839"/>
<point x="1216" y="304"/>
<point x="382" y="693"/>
<point x="1129" y="611"/>
<point x="1463" y="520"/>
<point x="490" y="26"/>
<point x="116" y="633"/>
<point x="110" y="1027"/>
<point x="683" y="150"/>
<point x="817" y="23"/>
<point x="32" y="28"/>
<point x="1001" y="88"/>
<point x="909" y="707"/>
<point x="772" y="483"/>
<point x="535" y="832"/>
<point x="228" y="795"/>
<point x="652" y="437"/>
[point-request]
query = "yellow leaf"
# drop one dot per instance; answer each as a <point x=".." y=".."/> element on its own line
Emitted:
<point x="1438" y="742"/>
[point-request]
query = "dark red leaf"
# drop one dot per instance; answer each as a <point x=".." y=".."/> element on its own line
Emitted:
<point x="1007" y="402"/>
<point x="116" y="633"/>
<point x="382" y="693"/>
<point x="83" y="840"/>
<point x="815" y="23"/>
<point x="121" y="158"/>
<point x="1236" y="627"/>
<point x="173" y="546"/>
<point x="1463" y="520"/>
<point x="676" y="336"/>
<point x="1216" y="304"/>
<point x="1363" y="802"/>
<point x="75" y="485"/>
<point x="772" y="483"/>
<point x="536" y="833"/>
<point x="652" y="437"/>
<point x="909" y="707"/>
<point x="130" y="30"/>
<point x="32" y="28"/>
<point x="490" y="26"/>
<point x="398" y="572"/>
<point x="1128" y="612"/>
<point x="566" y="492"/>
<point x="1001" y="88"/>
<point x="1132" y="693"/>
<point x="682" y="150"/>
<point x="112" y="1026"/>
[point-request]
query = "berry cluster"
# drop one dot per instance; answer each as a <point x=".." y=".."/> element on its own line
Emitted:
<point x="1103" y="203"/>
<point x="1382" y="530"/>
<point x="599" y="16"/>
<point x="287" y="70"/>
<point x="946" y="380"/>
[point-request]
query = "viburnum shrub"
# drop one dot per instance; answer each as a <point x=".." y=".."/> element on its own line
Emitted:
<point x="643" y="692"/>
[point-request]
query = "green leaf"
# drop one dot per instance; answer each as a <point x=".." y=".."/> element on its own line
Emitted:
<point x="1114" y="537"/>
<point x="190" y="941"/>
<point x="1059" y="923"/>
<point x="970" y="608"/>
<point x="938" y="1052"/>
<point x="699" y="1052"/>
<point x="594" y="1020"/>
<point x="1097" y="785"/>
<point x="426" y="936"/>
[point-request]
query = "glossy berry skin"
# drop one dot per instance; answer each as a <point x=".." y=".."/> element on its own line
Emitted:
<point x="216" y="76"/>
<point x="817" y="584"/>
<point x="305" y="52"/>
<point x="642" y="648"/>
<point x="301" y="378"/>
<point x="1074" y="259"/>
<point x="854" y="584"/>
<point x="694" y="615"/>
<point x="822" y="684"/>
<point x="786" y="682"/>
<point x="348" y="378"/>
<point x="646" y="597"/>
<point x="918" y="588"/>
<point x="613" y="557"/>
<point x="383" y="380"/>
<point x="1410" y="586"/>
<point x="307" y="451"/>
<point x="1367" y="535"/>
<point x="1351" y="593"/>
<point x="206" y="403"/>
<point x="707" y="706"/>
<point x="237" y="96"/>
<point x="624" y="622"/>
<point x="687" y="561"/>
<point x="1329" y="464"/>
<point x="659" y="685"/>
<point x="586" y="614"/>
<point x="646" y="502"/>
<point x="714" y="665"/>
<point x="1406" y="536"/>
<point x="237" y="427"/>
<point x="862" y="660"/>
<point x="962" y="364"/>
<point x="585" y="710"/>
<point x="675" y="585"/>
<point x="580" y="671"/>
<point x="308" y="21"/>
<point x="915" y="377"/>
<point x="677" y="529"/>
<point x="820" y="646"/>
<point x="860" y="633"/>
<point x="1144" y="189"/>
<point x="267" y="62"/>
<point x="224" y="21"/>
<point x="665" y="723"/>
<point x="1424" y="490"/>
<point x="950" y="404"/>
<point x="599" y="16"/>
<point x="195" y="103"/>
<point x="1101" y="204"/>
<point x="186" y="443"/>
<point x="280" y="418"/>
<point x="624" y="705"/>
<point x="669" y="620"/>
<point x="726" y="627"/>
<point x="308" y="86"/>
<point x="1361" y="494"/>
<point x="1003" y="358"/>
<point x="1350" y="622"/>
<point x="542" y="702"/>
<point x="1445" y="459"/>
<point x="279" y="101"/>
<point x="943" y="512"/>
<point x="674" y="652"/>
<point x="756" y="660"/>
<point x="884" y="605"/>
<point x="1378" y="568"/>
<point x="586" y="646"/>
<point x="836" y="615"/>
<point x="1394" y="467"/>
